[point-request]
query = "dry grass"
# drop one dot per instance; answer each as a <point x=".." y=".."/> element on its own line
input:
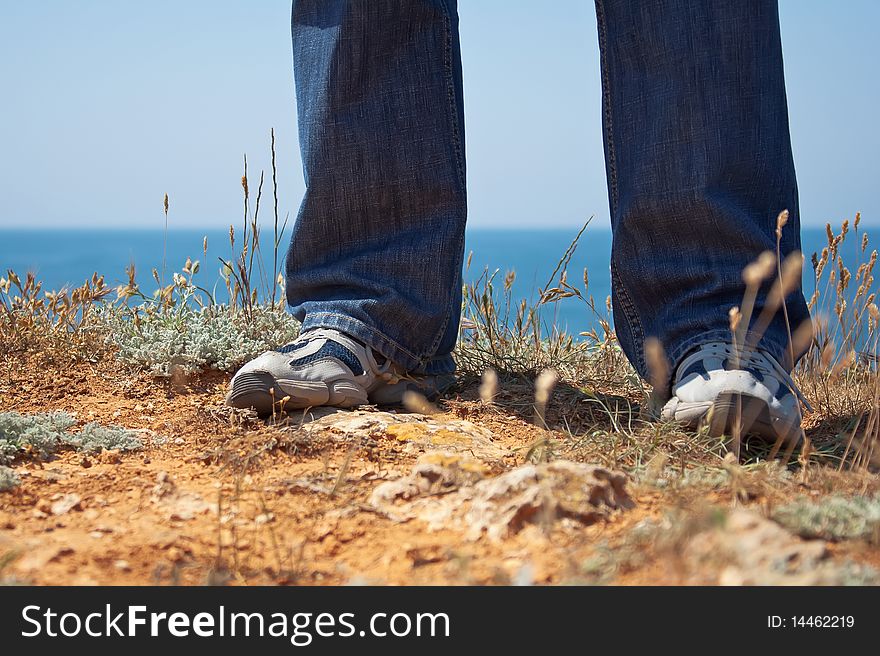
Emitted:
<point x="599" y="406"/>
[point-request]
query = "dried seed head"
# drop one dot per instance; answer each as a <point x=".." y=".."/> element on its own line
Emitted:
<point x="544" y="385"/>
<point x="864" y="241"/>
<point x="845" y="277"/>
<point x="790" y="275"/>
<point x="781" y="220"/>
<point x="735" y="317"/>
<point x="244" y="185"/>
<point x="489" y="386"/>
<point x="205" y="245"/>
<point x="758" y="271"/>
<point x="802" y="337"/>
<point x="827" y="355"/>
<point x="658" y="365"/>
<point x="415" y="402"/>
<point x="858" y="220"/>
<point x="845" y="362"/>
<point x="166" y="205"/>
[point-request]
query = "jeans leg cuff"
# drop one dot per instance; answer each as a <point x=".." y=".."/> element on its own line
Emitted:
<point x="373" y="338"/>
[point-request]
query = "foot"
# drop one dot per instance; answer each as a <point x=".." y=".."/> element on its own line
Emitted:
<point x="322" y="367"/>
<point x="758" y="397"/>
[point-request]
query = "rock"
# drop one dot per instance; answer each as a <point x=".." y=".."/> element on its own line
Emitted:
<point x="751" y="550"/>
<point x="180" y="505"/>
<point x="39" y="555"/>
<point x="110" y="457"/>
<point x="447" y="491"/>
<point x="544" y="493"/>
<point x="435" y="473"/>
<point x="164" y="485"/>
<point x="187" y="505"/>
<point x="414" y="432"/>
<point x="65" y="504"/>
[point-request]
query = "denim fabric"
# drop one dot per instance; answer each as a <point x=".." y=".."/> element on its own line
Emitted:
<point x="699" y="165"/>
<point x="697" y="151"/>
<point x="377" y="247"/>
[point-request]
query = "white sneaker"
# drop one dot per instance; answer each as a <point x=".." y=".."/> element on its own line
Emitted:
<point x="322" y="367"/>
<point x="758" y="394"/>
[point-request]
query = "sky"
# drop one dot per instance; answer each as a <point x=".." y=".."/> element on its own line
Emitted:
<point x="108" y="105"/>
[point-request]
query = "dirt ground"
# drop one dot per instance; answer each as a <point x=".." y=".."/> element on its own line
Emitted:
<point x="220" y="497"/>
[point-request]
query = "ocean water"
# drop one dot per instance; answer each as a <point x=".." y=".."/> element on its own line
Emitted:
<point x="67" y="257"/>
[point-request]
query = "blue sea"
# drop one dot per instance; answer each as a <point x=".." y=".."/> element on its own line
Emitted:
<point x="67" y="257"/>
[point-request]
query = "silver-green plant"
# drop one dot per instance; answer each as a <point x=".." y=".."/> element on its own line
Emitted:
<point x="94" y="438"/>
<point x="8" y="479"/>
<point x="43" y="434"/>
<point x="832" y="518"/>
<point x="38" y="434"/>
<point x="195" y="339"/>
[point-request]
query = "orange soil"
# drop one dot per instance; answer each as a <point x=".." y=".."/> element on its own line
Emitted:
<point x="292" y="514"/>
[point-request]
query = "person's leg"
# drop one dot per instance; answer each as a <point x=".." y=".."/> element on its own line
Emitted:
<point x="699" y="165"/>
<point x="376" y="251"/>
<point x="375" y="258"/>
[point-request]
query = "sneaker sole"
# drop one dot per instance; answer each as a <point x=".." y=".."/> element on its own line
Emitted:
<point x="730" y="409"/>
<point x="263" y="393"/>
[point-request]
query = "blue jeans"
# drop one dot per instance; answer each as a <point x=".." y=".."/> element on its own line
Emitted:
<point x="697" y="151"/>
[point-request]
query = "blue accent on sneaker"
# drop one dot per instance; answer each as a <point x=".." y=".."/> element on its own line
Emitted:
<point x="697" y="367"/>
<point x="293" y="346"/>
<point x="331" y="350"/>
